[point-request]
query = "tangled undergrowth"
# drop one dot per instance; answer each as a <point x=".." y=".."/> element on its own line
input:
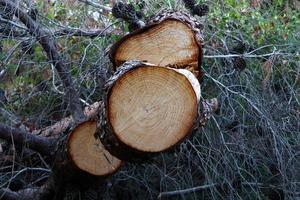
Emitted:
<point x="250" y="149"/>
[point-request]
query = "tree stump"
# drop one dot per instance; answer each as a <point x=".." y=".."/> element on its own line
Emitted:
<point x="171" y="39"/>
<point x="148" y="109"/>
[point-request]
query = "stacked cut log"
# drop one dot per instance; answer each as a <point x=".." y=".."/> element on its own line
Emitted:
<point x="148" y="109"/>
<point x="150" y="104"/>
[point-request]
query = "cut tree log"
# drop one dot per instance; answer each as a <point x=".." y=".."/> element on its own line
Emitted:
<point x="81" y="162"/>
<point x="88" y="153"/>
<point x="148" y="109"/>
<point x="171" y="39"/>
<point x="78" y="159"/>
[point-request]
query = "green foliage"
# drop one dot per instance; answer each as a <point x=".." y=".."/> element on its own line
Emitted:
<point x="262" y="25"/>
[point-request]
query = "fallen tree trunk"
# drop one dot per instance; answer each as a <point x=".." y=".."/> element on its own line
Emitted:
<point x="171" y="39"/>
<point x="148" y="109"/>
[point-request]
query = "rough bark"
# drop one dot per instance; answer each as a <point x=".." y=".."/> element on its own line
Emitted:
<point x="34" y="142"/>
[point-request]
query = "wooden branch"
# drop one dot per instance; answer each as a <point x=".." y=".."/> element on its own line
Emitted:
<point x="83" y="33"/>
<point x="42" y="193"/>
<point x="90" y="112"/>
<point x="185" y="191"/>
<point x="96" y="5"/>
<point x="49" y="45"/>
<point x="38" y="143"/>
<point x="10" y="195"/>
<point x="27" y="194"/>
<point x="64" y="32"/>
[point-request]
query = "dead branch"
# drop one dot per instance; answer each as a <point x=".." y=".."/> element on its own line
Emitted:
<point x="83" y="33"/>
<point x="42" y="193"/>
<point x="67" y="31"/>
<point x="34" y="142"/>
<point x="49" y="45"/>
<point x="63" y="31"/>
<point x="10" y="195"/>
<point x="96" y="5"/>
<point x="184" y="191"/>
<point x="90" y="112"/>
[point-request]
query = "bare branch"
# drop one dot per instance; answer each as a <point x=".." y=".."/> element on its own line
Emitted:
<point x="45" y="192"/>
<point x="49" y="45"/>
<point x="184" y="191"/>
<point x="38" y="143"/>
<point x="83" y="33"/>
<point x="90" y="112"/>
<point x="24" y="170"/>
<point x="10" y="195"/>
<point x="11" y="117"/>
<point x="96" y="5"/>
<point x="66" y="32"/>
<point x="12" y="23"/>
<point x="246" y="55"/>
